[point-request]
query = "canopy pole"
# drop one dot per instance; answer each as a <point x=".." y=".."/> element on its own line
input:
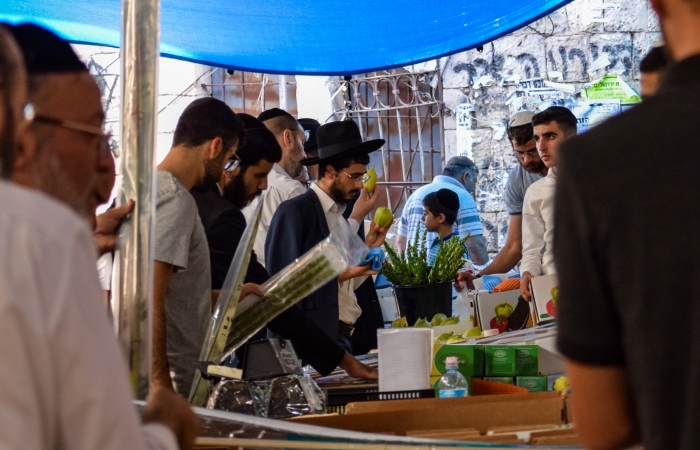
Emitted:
<point x="133" y="293"/>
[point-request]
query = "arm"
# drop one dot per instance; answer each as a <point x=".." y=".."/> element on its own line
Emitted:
<point x="364" y="204"/>
<point x="602" y="406"/>
<point x="476" y="245"/>
<point x="400" y="243"/>
<point x="160" y="371"/>
<point x="511" y="252"/>
<point x="533" y="242"/>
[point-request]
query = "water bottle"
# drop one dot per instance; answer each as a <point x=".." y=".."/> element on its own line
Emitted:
<point x="453" y="383"/>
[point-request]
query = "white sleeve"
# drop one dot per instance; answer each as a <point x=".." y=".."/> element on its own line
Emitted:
<point x="94" y="399"/>
<point x="533" y="236"/>
<point x="158" y="437"/>
<point x="104" y="271"/>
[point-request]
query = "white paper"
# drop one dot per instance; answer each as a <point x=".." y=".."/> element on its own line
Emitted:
<point x="405" y="356"/>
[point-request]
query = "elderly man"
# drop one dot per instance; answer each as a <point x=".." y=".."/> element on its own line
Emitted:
<point x="281" y="183"/>
<point x="459" y="175"/>
<point x="51" y="306"/>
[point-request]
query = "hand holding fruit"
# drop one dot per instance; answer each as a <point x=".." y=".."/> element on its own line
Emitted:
<point x="525" y="278"/>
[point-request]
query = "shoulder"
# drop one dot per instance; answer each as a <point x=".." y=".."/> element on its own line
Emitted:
<point x="170" y="193"/>
<point x="40" y="217"/>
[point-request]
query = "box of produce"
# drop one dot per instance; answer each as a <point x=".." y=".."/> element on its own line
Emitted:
<point x="493" y="310"/>
<point x="527" y="360"/>
<point x="532" y="383"/>
<point x="545" y="290"/>
<point x="470" y="357"/>
<point x="499" y="360"/>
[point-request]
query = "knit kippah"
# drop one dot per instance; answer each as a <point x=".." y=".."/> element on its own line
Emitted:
<point x="44" y="52"/>
<point x="272" y="113"/>
<point x="448" y="199"/>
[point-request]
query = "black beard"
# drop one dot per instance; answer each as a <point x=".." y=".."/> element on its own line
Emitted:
<point x="212" y="173"/>
<point x="235" y="192"/>
<point x="535" y="168"/>
<point x="336" y="193"/>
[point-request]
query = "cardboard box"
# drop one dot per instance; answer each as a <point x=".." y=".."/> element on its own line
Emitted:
<point x="470" y="357"/>
<point x="486" y="307"/>
<point x="544" y="291"/>
<point x="479" y="412"/>
<point x="506" y="380"/>
<point x="527" y="360"/>
<point x="499" y="360"/>
<point x="532" y="383"/>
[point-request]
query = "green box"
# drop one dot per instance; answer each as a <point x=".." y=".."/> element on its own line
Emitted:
<point x="506" y="380"/>
<point x="527" y="360"/>
<point x="533" y="384"/>
<point x="470" y="357"/>
<point x="499" y="360"/>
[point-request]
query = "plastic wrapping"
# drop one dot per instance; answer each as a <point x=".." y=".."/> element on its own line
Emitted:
<point x="281" y="397"/>
<point x="133" y="280"/>
<point x="306" y="274"/>
<point x="226" y="307"/>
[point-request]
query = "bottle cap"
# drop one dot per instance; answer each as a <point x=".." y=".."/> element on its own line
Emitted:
<point x="451" y="362"/>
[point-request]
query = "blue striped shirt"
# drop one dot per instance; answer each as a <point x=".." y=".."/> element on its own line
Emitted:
<point x="435" y="248"/>
<point x="467" y="219"/>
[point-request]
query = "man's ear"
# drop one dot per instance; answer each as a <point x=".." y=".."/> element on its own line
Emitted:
<point x="441" y="218"/>
<point x="215" y="147"/>
<point x="24" y="150"/>
<point x="287" y="139"/>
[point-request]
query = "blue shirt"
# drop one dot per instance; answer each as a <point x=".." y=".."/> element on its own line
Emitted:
<point x="435" y="248"/>
<point x="467" y="222"/>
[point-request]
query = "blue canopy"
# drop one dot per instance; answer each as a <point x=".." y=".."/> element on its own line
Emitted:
<point x="321" y="37"/>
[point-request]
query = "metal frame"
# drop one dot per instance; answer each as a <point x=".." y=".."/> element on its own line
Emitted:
<point x="401" y="107"/>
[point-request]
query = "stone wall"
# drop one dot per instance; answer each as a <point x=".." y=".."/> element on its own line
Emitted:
<point x="565" y="47"/>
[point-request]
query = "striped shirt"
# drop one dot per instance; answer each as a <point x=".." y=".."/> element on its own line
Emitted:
<point x="468" y="221"/>
<point x="435" y="248"/>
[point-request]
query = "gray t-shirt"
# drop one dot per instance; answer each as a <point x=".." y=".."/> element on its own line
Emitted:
<point x="519" y="180"/>
<point x="180" y="241"/>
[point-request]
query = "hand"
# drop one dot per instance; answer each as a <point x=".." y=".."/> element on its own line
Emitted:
<point x="357" y="271"/>
<point x="356" y="369"/>
<point x="364" y="204"/>
<point x="525" y="278"/>
<point x="107" y="225"/>
<point x="462" y="278"/>
<point x="168" y="408"/>
<point x="251" y="288"/>
<point x="376" y="235"/>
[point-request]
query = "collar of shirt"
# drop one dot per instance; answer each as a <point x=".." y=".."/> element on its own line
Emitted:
<point x="446" y="179"/>
<point x="327" y="202"/>
<point x="683" y="72"/>
<point x="446" y="238"/>
<point x="551" y="174"/>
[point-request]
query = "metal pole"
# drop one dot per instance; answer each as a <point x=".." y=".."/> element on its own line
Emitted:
<point x="133" y="299"/>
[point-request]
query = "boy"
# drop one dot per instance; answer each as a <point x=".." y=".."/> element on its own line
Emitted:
<point x="440" y="210"/>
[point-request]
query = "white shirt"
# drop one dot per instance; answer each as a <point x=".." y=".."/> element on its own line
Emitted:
<point x="63" y="380"/>
<point x="348" y="309"/>
<point x="280" y="187"/>
<point x="538" y="227"/>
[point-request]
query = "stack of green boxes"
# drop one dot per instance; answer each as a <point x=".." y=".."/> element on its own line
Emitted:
<point x="511" y="364"/>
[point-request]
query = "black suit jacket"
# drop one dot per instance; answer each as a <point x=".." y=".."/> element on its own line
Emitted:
<point x="224" y="224"/>
<point x="297" y="226"/>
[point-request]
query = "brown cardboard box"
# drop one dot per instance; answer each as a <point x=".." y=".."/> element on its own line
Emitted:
<point x="481" y="413"/>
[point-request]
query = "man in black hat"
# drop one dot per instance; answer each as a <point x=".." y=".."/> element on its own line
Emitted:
<point x="304" y="221"/>
<point x="281" y="184"/>
<point x="311" y="146"/>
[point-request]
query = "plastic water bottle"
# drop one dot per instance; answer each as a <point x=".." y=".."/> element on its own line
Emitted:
<point x="453" y="383"/>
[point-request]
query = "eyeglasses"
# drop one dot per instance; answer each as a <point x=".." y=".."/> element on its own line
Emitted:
<point x="306" y="135"/>
<point x="357" y="177"/>
<point x="105" y="138"/>
<point x="531" y="153"/>
<point x="233" y="162"/>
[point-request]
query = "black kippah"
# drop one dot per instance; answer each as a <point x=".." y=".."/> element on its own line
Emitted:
<point x="44" y="52"/>
<point x="249" y="122"/>
<point x="272" y="113"/>
<point x="448" y="199"/>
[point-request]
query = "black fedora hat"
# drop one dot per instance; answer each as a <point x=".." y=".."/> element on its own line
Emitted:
<point x="310" y="125"/>
<point x="339" y="140"/>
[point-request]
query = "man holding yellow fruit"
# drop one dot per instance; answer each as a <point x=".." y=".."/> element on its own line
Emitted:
<point x="302" y="222"/>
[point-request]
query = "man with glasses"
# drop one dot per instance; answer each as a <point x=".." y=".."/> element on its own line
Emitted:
<point x="458" y="175"/>
<point x="66" y="154"/>
<point x="304" y="221"/>
<point x="529" y="169"/>
<point x="281" y="184"/>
